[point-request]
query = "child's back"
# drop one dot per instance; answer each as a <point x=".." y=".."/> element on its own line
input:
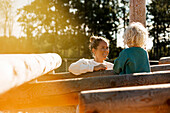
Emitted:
<point x="133" y="59"/>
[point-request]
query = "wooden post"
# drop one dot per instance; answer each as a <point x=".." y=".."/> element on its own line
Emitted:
<point x="141" y="99"/>
<point x="138" y="11"/>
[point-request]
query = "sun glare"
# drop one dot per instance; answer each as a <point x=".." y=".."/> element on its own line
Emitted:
<point x="17" y="29"/>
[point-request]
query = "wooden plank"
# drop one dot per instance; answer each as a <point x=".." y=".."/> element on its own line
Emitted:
<point x="153" y="62"/>
<point x="55" y="109"/>
<point x="141" y="99"/>
<point x="12" y="103"/>
<point x="161" y="67"/>
<point x="46" y="91"/>
<point x="16" y="69"/>
<point x="66" y="75"/>
<point x="63" y="86"/>
<point x="164" y="60"/>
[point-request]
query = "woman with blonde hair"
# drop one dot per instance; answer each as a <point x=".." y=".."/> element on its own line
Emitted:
<point x="133" y="59"/>
<point x="99" y="47"/>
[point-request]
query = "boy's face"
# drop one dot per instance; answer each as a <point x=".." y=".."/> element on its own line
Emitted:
<point x="101" y="52"/>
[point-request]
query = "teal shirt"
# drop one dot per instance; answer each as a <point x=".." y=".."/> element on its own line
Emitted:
<point x="132" y="60"/>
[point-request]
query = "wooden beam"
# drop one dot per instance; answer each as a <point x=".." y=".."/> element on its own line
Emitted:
<point x="153" y="62"/>
<point x="138" y="11"/>
<point x="55" y="109"/>
<point x="163" y="67"/>
<point x="40" y="92"/>
<point x="16" y="69"/>
<point x="41" y="101"/>
<point x="67" y="75"/>
<point x="164" y="60"/>
<point x="141" y="99"/>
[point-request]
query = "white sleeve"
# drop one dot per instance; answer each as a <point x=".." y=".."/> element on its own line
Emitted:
<point x="81" y="66"/>
<point x="109" y="66"/>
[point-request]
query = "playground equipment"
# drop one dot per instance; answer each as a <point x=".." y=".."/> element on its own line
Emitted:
<point x="27" y="85"/>
<point x="64" y="91"/>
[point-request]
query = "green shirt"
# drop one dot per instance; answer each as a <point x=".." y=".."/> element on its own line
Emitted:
<point x="132" y="60"/>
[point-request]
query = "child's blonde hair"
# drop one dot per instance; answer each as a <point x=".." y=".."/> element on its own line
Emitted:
<point x="136" y="35"/>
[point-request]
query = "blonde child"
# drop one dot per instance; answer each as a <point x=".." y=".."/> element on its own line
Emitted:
<point x="133" y="59"/>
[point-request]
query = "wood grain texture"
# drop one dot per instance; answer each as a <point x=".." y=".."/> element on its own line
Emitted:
<point x="67" y="75"/>
<point x="56" y="109"/>
<point x="36" y="94"/>
<point x="141" y="99"/>
<point x="12" y="102"/>
<point x="164" y="60"/>
<point x="162" y="67"/>
<point x="16" y="69"/>
<point x="138" y="11"/>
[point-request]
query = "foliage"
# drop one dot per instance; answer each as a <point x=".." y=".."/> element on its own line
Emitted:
<point x="124" y="13"/>
<point x="64" y="27"/>
<point x="99" y="18"/>
<point x="6" y="17"/>
<point x="159" y="12"/>
<point x="68" y="24"/>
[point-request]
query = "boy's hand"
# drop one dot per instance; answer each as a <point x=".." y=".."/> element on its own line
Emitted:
<point x="100" y="67"/>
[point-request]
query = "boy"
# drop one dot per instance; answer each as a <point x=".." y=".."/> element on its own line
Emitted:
<point x="133" y="59"/>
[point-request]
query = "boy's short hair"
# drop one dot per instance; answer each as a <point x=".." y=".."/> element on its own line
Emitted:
<point x="136" y="35"/>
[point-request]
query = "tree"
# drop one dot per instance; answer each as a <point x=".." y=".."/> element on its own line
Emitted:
<point x="98" y="17"/>
<point x="7" y="16"/>
<point x="69" y="23"/>
<point x="124" y="13"/>
<point x="158" y="15"/>
<point x="43" y="17"/>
